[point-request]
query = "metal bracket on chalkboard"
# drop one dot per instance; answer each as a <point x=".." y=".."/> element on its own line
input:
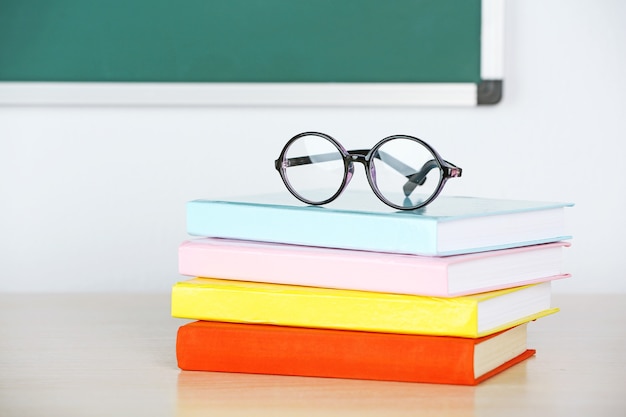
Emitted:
<point x="489" y="92"/>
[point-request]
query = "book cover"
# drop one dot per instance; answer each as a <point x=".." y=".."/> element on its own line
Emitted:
<point x="279" y="350"/>
<point x="357" y="220"/>
<point x="448" y="276"/>
<point x="472" y="316"/>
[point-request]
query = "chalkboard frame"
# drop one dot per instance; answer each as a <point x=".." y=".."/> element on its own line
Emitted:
<point x="488" y="91"/>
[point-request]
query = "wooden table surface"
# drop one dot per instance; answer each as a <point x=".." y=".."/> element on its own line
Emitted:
<point x="114" y="355"/>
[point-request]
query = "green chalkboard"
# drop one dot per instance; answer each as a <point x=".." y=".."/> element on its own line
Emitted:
<point x="240" y="40"/>
<point x="65" y="51"/>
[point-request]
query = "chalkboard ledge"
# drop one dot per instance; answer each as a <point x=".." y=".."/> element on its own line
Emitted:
<point x="249" y="94"/>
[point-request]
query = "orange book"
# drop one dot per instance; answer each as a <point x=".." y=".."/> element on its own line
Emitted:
<point x="279" y="350"/>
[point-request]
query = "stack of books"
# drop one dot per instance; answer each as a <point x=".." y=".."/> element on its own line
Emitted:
<point x="354" y="289"/>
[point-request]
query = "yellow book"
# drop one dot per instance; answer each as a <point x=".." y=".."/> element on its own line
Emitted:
<point x="289" y="305"/>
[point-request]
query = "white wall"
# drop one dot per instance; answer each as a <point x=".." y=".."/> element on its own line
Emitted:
<point x="92" y="199"/>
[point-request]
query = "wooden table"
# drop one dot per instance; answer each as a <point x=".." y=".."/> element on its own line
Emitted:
<point x="113" y="355"/>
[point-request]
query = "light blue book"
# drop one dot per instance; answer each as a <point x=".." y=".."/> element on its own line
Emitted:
<point x="357" y="220"/>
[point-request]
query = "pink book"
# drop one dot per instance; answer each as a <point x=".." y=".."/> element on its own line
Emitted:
<point x="449" y="276"/>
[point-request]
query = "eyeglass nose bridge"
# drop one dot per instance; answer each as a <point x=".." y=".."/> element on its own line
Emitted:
<point x="359" y="155"/>
<point x="353" y="156"/>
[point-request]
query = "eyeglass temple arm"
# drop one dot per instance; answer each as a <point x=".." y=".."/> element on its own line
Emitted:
<point x="305" y="160"/>
<point x="419" y="177"/>
<point x="414" y="178"/>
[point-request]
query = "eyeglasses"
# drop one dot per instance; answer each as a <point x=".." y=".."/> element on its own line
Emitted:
<point x="403" y="171"/>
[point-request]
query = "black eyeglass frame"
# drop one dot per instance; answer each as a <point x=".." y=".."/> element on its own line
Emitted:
<point x="414" y="178"/>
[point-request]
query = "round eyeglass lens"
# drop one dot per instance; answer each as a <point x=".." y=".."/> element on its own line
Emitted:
<point x="314" y="168"/>
<point x="405" y="172"/>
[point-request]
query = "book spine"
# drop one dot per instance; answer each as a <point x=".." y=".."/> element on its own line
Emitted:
<point x="211" y="346"/>
<point x="329" y="268"/>
<point x="220" y="300"/>
<point x="312" y="226"/>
